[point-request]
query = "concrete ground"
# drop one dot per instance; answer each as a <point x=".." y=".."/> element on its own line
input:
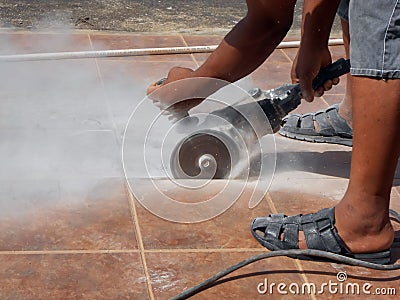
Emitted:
<point x="146" y="16"/>
<point x="72" y="229"/>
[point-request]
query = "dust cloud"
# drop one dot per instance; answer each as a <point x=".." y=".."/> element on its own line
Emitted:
<point x="61" y="121"/>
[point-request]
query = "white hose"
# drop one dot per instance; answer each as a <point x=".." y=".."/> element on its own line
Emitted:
<point x="133" y="52"/>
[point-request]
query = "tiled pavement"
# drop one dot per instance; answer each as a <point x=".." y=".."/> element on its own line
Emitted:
<point x="70" y="229"/>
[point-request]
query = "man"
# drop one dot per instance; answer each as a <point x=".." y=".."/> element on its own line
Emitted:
<point x="358" y="226"/>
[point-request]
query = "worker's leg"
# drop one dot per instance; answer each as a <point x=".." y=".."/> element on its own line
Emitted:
<point x="343" y="132"/>
<point x="362" y="217"/>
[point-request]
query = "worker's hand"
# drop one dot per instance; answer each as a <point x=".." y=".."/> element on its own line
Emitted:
<point x="179" y="97"/>
<point x="305" y="68"/>
<point x="176" y="73"/>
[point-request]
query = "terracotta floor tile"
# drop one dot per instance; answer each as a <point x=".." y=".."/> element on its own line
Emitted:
<point x="291" y="52"/>
<point x="172" y="273"/>
<point x="227" y="230"/>
<point x="333" y="98"/>
<point x="336" y="52"/>
<point x="132" y="41"/>
<point x="271" y="75"/>
<point x="139" y="72"/>
<point x="396" y="184"/>
<point x="88" y="208"/>
<point x="202" y="40"/>
<point x="298" y="201"/>
<point x="66" y="216"/>
<point x="295" y="188"/>
<point x="18" y="43"/>
<point x="277" y="56"/>
<point x="72" y="276"/>
<point x="395" y="197"/>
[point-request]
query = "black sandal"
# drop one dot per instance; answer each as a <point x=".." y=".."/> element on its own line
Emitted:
<point x="319" y="231"/>
<point x="333" y="128"/>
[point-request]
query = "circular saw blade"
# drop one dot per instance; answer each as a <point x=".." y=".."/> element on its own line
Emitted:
<point x="202" y="155"/>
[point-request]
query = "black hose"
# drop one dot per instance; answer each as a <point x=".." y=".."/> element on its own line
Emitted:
<point x="293" y="253"/>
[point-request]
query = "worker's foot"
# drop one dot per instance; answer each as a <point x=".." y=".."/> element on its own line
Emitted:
<point x="360" y="232"/>
<point x="342" y="230"/>
<point x="332" y="125"/>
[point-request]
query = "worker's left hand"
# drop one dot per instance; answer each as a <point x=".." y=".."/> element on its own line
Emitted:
<point x="306" y="67"/>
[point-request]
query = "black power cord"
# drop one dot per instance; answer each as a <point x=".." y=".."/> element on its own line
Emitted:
<point x="293" y="253"/>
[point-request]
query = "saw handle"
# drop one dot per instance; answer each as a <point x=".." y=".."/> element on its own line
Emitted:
<point x="276" y="109"/>
<point x="293" y="98"/>
<point x="336" y="69"/>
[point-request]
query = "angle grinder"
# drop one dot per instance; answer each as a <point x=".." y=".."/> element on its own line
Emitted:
<point x="226" y="144"/>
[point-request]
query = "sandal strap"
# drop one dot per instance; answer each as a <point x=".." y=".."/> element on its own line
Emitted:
<point x="325" y="127"/>
<point x="318" y="228"/>
<point x="339" y="124"/>
<point x="319" y="231"/>
<point x="329" y="121"/>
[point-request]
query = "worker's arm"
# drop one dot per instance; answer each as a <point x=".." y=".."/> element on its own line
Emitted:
<point x="247" y="45"/>
<point x="251" y="41"/>
<point x="318" y="17"/>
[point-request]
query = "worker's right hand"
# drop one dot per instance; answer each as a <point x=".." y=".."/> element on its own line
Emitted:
<point x="307" y="67"/>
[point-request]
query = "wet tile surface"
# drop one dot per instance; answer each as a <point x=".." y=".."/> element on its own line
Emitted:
<point x="70" y="227"/>
<point x="172" y="273"/>
<point x="72" y="276"/>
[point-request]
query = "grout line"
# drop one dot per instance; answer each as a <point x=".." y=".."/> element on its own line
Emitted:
<point x="129" y="58"/>
<point x="287" y="56"/>
<point x="57" y="252"/>
<point x="139" y="239"/>
<point x="296" y="261"/>
<point x="324" y="101"/>
<point x="208" y="250"/>
<point x="191" y="54"/>
<point x="270" y="203"/>
<point x="130" y="198"/>
<point x="126" y="251"/>
<point x="100" y="77"/>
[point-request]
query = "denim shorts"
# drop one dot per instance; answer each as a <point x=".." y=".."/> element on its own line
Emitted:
<point x="374" y="37"/>
<point x="343" y="9"/>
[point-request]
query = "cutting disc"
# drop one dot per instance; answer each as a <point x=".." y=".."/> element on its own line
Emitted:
<point x="203" y="155"/>
<point x="171" y="164"/>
